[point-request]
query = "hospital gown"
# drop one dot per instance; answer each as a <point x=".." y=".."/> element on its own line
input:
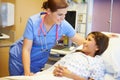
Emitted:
<point x="83" y="65"/>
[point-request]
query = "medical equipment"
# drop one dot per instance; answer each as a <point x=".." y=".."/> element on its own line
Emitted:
<point x="44" y="34"/>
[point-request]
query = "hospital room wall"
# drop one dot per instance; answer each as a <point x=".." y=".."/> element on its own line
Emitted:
<point x="8" y="30"/>
<point x="106" y="16"/>
<point x="101" y="15"/>
<point x="24" y="9"/>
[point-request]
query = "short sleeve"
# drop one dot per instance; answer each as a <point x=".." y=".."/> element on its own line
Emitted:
<point x="28" y="33"/>
<point x="98" y="70"/>
<point x="67" y="29"/>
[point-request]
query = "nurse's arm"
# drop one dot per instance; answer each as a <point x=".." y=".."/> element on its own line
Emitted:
<point x="27" y="44"/>
<point x="77" y="39"/>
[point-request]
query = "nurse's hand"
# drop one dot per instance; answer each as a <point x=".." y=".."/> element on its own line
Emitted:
<point x="112" y="35"/>
<point x="29" y="74"/>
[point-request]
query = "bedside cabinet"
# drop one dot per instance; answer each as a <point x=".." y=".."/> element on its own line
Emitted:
<point x="4" y="59"/>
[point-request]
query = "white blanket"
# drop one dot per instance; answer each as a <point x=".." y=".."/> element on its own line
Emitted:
<point x="45" y="75"/>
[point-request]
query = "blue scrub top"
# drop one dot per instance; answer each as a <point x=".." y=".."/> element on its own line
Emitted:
<point x="39" y="57"/>
<point x="33" y="25"/>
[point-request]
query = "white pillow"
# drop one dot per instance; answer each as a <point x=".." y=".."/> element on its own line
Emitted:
<point x="112" y="56"/>
<point x="108" y="77"/>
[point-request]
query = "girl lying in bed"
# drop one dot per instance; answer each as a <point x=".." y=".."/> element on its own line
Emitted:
<point x="86" y="63"/>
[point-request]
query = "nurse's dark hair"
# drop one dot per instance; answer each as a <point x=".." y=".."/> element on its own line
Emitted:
<point x="53" y="5"/>
<point x="101" y="40"/>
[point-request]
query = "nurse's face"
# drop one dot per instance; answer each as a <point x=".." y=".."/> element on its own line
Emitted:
<point x="58" y="16"/>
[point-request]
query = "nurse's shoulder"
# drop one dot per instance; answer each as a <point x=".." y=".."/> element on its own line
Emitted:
<point x="35" y="17"/>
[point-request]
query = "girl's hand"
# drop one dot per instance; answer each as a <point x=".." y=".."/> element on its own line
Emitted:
<point x="61" y="71"/>
<point x="57" y="71"/>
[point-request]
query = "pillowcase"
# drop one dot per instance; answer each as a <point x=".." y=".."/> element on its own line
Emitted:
<point x="108" y="77"/>
<point x="111" y="56"/>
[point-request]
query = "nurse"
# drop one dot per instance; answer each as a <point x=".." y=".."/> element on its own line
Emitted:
<point x="42" y="32"/>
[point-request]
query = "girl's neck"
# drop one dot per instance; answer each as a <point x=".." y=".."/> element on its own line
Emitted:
<point x="89" y="54"/>
<point x="92" y="55"/>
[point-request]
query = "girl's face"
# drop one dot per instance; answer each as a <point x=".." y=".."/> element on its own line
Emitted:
<point x="89" y="45"/>
<point x="58" y="16"/>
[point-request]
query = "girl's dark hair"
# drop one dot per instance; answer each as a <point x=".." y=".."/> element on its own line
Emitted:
<point x="53" y="5"/>
<point x="101" y="40"/>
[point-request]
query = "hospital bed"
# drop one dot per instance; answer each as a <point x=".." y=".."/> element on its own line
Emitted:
<point x="111" y="58"/>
